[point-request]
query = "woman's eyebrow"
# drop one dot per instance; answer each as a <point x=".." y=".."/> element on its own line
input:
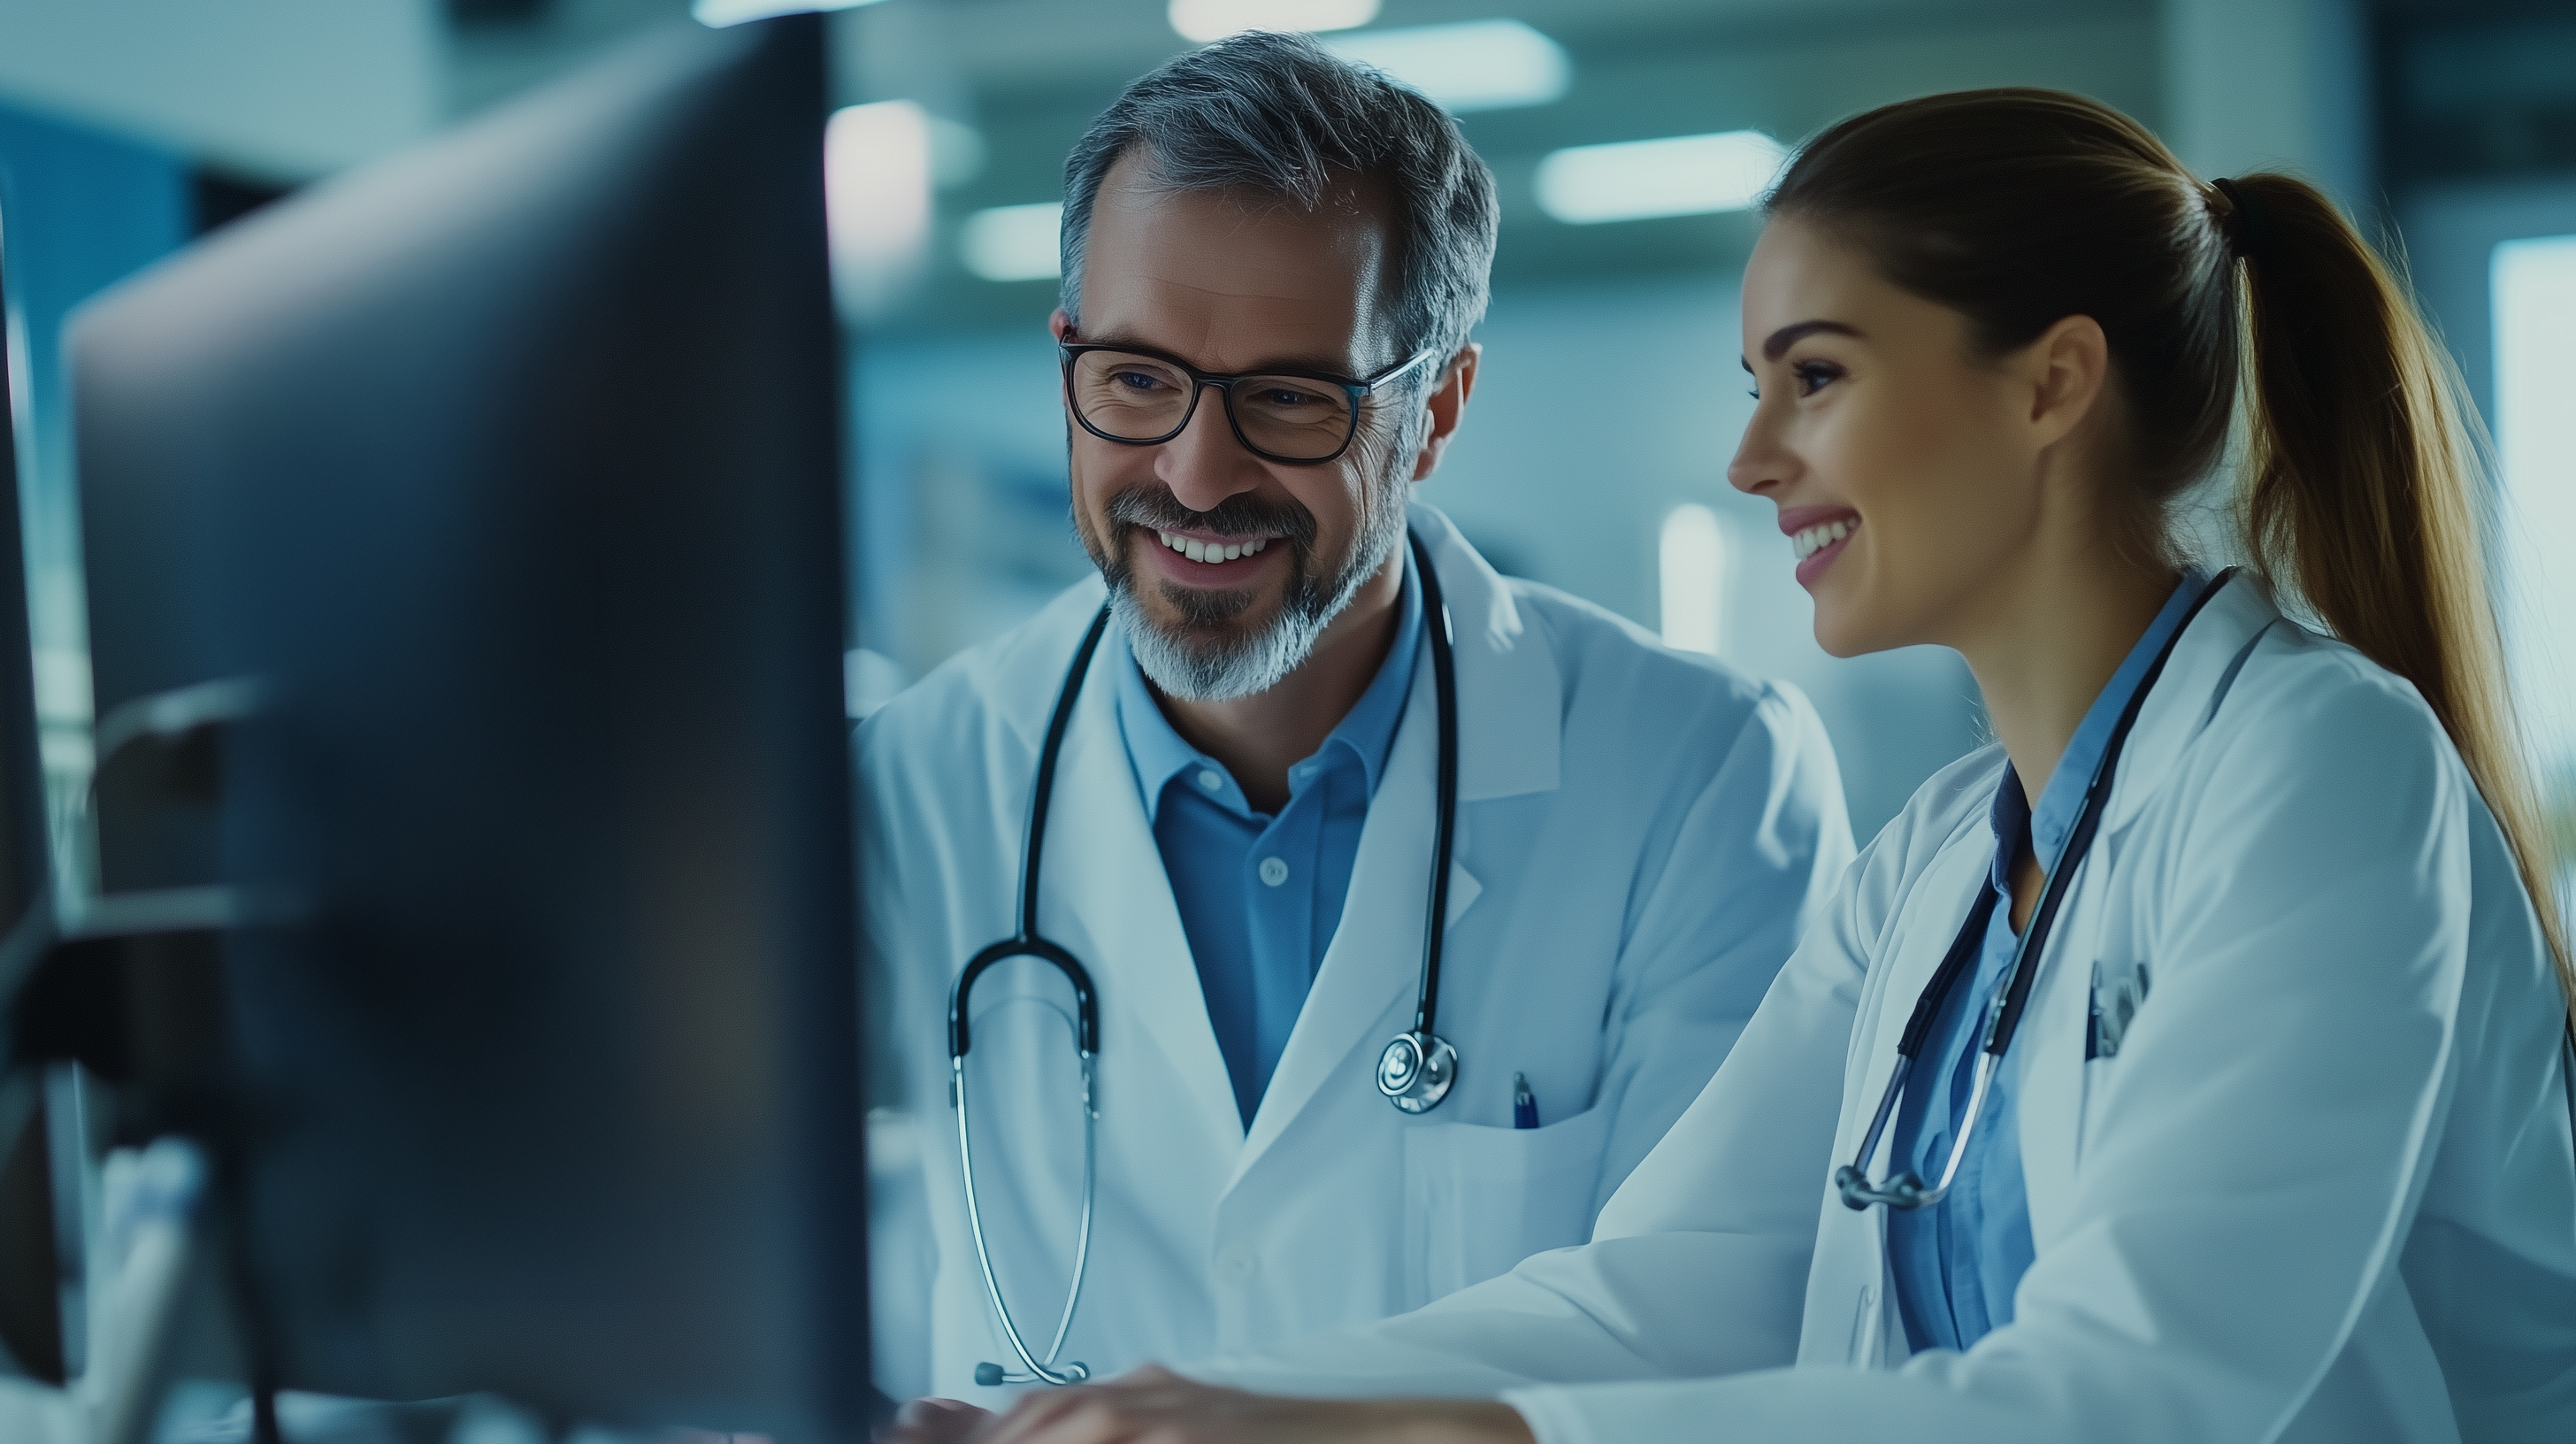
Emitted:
<point x="1787" y="336"/>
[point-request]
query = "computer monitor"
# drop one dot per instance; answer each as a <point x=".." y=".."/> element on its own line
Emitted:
<point x="31" y="1282"/>
<point x="485" y="504"/>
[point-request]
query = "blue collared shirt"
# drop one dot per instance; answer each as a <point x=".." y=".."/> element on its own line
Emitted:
<point x="1957" y="1263"/>
<point x="1260" y="895"/>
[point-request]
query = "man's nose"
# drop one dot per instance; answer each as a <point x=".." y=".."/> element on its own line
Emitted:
<point x="1205" y="464"/>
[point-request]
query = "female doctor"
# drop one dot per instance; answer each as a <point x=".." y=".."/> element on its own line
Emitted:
<point x="2190" y="1064"/>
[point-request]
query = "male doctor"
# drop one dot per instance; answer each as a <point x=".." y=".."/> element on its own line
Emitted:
<point x="1273" y="260"/>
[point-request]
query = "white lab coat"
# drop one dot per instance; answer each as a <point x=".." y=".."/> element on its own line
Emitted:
<point x="2323" y="1192"/>
<point x="1642" y="835"/>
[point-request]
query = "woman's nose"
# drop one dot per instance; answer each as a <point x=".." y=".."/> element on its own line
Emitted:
<point x="1761" y="464"/>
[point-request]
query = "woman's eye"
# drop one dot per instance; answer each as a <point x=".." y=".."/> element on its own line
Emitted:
<point x="1814" y="376"/>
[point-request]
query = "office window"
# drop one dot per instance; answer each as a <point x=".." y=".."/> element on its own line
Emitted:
<point x="2534" y="287"/>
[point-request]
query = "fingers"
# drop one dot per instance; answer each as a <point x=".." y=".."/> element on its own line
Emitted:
<point x="1053" y="1416"/>
<point x="934" y="1421"/>
<point x="1148" y="1406"/>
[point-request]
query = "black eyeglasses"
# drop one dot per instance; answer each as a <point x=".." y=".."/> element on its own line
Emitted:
<point x="1143" y="398"/>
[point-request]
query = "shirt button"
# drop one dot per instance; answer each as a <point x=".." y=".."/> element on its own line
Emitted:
<point x="1274" y="871"/>
<point x="1211" y="779"/>
<point x="1237" y="1261"/>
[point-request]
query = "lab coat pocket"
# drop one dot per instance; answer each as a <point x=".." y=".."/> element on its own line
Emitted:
<point x="1479" y="1200"/>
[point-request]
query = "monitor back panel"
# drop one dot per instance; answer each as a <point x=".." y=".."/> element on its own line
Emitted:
<point x="508" y="473"/>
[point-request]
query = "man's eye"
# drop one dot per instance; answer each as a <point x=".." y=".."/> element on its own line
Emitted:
<point x="1137" y="380"/>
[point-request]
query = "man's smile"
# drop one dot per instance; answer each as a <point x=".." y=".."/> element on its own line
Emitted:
<point x="1206" y="559"/>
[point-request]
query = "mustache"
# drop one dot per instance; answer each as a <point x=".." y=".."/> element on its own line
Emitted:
<point x="1241" y="515"/>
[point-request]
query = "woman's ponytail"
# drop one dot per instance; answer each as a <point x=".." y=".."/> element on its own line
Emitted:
<point x="2364" y="490"/>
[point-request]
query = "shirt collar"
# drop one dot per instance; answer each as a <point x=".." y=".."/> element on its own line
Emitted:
<point x="2046" y="826"/>
<point x="1366" y="732"/>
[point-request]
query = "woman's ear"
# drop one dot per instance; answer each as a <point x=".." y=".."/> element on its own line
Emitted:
<point x="2066" y="370"/>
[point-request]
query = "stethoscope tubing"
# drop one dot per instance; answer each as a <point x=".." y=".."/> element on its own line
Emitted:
<point x="1904" y="1190"/>
<point x="1037" y="1371"/>
<point x="1444" y="683"/>
<point x="1028" y="942"/>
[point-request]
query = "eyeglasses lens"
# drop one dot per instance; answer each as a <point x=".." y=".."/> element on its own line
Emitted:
<point x="1141" y="398"/>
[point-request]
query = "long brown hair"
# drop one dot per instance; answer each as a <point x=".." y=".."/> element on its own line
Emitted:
<point x="2362" y="486"/>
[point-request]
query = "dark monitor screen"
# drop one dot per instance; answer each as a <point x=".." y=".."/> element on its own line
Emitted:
<point x="30" y="1282"/>
<point x="503" y="478"/>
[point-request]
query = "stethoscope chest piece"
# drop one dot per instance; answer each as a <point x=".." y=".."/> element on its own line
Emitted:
<point x="1416" y="1071"/>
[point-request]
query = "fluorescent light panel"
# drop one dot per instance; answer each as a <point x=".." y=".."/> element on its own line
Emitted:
<point x="1691" y="554"/>
<point x="1478" y="65"/>
<point x="717" y="14"/>
<point x="1014" y="243"/>
<point x="1206" y="20"/>
<point x="1682" y="175"/>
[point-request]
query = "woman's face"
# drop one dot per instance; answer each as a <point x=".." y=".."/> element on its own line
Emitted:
<point x="1907" y="468"/>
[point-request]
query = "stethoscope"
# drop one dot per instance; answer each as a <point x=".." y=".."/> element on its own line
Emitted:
<point x="1905" y="1190"/>
<point x="1415" y="1071"/>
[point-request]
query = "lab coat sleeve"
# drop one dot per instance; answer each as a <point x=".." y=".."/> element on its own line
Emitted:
<point x="2258" y="1146"/>
<point x="1757" y="859"/>
<point x="1725" y="1207"/>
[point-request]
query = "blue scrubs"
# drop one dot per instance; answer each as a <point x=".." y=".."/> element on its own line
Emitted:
<point x="1261" y="895"/>
<point x="1957" y="1263"/>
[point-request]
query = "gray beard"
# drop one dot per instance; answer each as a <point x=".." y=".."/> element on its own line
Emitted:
<point x="1198" y="661"/>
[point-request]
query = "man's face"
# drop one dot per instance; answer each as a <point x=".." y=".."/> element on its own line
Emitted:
<point x="1232" y="284"/>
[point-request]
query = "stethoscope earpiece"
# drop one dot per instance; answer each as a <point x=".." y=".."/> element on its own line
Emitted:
<point x="991" y="1376"/>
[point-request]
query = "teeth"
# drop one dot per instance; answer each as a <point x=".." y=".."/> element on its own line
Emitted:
<point x="1816" y="538"/>
<point x="1199" y="551"/>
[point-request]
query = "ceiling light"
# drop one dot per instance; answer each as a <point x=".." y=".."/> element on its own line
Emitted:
<point x="720" y="13"/>
<point x="1682" y="175"/>
<point x="1014" y="243"/>
<point x="1206" y="20"/>
<point x="1478" y="65"/>
<point x="876" y="198"/>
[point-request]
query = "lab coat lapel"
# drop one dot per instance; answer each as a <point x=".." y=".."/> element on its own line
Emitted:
<point x="1511" y="713"/>
<point x="2179" y="706"/>
<point x="1934" y="911"/>
<point x="2049" y="1106"/>
<point x="1375" y="954"/>
<point x="1509" y="708"/>
<point x="1847" y="1310"/>
<point x="1105" y="894"/>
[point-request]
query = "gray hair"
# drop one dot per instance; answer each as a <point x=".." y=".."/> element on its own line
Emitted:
<point x="1281" y="116"/>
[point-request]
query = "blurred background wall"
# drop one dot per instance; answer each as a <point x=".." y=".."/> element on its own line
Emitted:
<point x="2447" y="126"/>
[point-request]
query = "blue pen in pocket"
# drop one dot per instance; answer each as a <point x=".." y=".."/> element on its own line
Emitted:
<point x="1524" y="1103"/>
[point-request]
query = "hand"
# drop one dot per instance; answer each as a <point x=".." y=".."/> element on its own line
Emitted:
<point x="935" y="1421"/>
<point x="1156" y="1406"/>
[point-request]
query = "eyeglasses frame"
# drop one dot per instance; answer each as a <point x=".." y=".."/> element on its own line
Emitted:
<point x="1358" y="391"/>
